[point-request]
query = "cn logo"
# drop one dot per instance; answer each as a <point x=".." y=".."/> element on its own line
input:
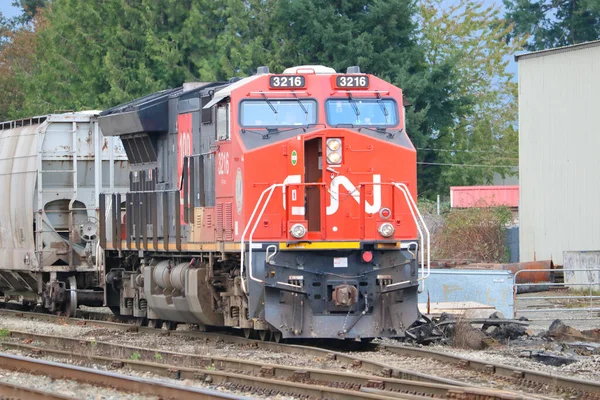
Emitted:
<point x="334" y="194"/>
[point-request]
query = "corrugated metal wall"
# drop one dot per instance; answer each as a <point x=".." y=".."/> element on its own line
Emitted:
<point x="559" y="152"/>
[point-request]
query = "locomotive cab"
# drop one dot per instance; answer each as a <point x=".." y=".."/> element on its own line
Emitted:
<point x="278" y="203"/>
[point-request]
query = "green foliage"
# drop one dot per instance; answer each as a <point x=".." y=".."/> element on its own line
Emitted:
<point x="30" y="9"/>
<point x="4" y="333"/>
<point x="448" y="61"/>
<point x="482" y="140"/>
<point x="136" y="356"/>
<point x="555" y="23"/>
<point x="474" y="234"/>
<point x="94" y="55"/>
<point x="158" y="357"/>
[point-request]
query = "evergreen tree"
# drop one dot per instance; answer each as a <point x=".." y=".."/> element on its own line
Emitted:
<point x="555" y="23"/>
<point x="381" y="37"/>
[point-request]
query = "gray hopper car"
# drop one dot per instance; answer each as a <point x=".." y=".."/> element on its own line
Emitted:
<point x="52" y="169"/>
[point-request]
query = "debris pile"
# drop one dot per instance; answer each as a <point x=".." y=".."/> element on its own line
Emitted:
<point x="463" y="332"/>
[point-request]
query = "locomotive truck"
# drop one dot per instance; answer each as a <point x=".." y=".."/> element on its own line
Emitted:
<point x="279" y="204"/>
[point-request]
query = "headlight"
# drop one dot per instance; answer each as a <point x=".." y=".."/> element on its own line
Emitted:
<point x="386" y="229"/>
<point x="334" y="158"/>
<point x="298" y="231"/>
<point x="334" y="144"/>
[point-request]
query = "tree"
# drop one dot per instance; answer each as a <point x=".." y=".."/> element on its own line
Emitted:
<point x="98" y="54"/>
<point x="381" y="37"/>
<point x="30" y="10"/>
<point x="482" y="140"/>
<point x="555" y="23"/>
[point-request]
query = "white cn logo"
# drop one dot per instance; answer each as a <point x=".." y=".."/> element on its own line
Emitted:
<point x="334" y="194"/>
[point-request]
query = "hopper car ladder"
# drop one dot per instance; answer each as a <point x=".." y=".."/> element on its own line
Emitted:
<point x="39" y="230"/>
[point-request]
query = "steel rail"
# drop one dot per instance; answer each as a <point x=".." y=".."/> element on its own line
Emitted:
<point x="366" y="365"/>
<point x="11" y="391"/>
<point x="574" y="385"/>
<point x="108" y="379"/>
<point x="301" y="383"/>
<point x="324" y="377"/>
<point x="532" y="378"/>
<point x="233" y="380"/>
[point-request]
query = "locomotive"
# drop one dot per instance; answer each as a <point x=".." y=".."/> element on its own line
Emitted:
<point x="282" y="205"/>
<point x="278" y="204"/>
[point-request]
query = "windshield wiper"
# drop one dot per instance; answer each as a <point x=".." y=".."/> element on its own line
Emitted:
<point x="383" y="107"/>
<point x="353" y="104"/>
<point x="269" y="103"/>
<point x="271" y="130"/>
<point x="301" y="105"/>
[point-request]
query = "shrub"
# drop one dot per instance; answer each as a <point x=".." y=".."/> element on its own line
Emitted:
<point x="475" y="234"/>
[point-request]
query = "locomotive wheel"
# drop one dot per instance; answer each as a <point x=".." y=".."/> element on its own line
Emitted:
<point x="155" y="323"/>
<point x="276" y="337"/>
<point x="171" y="325"/>
<point x="264" y="335"/>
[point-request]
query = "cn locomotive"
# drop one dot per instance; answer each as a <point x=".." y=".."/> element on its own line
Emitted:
<point x="282" y="205"/>
<point x="279" y="204"/>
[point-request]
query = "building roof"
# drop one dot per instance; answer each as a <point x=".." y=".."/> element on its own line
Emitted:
<point x="556" y="50"/>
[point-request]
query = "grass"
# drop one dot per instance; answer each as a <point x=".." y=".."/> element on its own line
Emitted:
<point x="136" y="356"/>
<point x="4" y="333"/>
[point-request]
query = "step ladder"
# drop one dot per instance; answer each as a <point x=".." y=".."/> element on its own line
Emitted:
<point x="41" y="190"/>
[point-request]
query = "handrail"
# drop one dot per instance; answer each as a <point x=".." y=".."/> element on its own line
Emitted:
<point x="270" y="189"/>
<point x="412" y="206"/>
<point x="414" y="210"/>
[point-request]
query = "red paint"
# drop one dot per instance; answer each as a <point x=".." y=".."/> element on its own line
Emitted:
<point x="363" y="157"/>
<point x="484" y="196"/>
<point x="367" y="256"/>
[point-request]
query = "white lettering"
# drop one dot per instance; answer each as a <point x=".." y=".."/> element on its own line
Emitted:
<point x="334" y="194"/>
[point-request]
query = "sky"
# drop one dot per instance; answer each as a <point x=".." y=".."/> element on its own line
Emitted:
<point x="9" y="11"/>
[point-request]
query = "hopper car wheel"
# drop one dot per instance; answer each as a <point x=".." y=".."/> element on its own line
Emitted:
<point x="71" y="303"/>
<point x="247" y="333"/>
<point x="276" y="336"/>
<point x="264" y="335"/>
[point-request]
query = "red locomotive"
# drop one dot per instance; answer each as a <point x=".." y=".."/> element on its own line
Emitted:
<point x="281" y="204"/>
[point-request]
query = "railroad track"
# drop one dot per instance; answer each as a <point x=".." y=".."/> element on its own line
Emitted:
<point x="384" y="374"/>
<point x="242" y="374"/>
<point x="10" y="391"/>
<point x="97" y="378"/>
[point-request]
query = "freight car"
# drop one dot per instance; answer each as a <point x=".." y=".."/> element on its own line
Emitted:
<point x="52" y="169"/>
<point x="280" y="204"/>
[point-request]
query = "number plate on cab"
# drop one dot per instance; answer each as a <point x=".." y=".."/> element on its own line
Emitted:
<point x="352" y="81"/>
<point x="287" y="81"/>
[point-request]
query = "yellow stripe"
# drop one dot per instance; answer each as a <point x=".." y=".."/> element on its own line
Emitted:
<point x="319" y="245"/>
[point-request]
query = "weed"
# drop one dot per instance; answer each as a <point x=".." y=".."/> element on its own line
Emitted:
<point x="4" y="332"/>
<point x="136" y="356"/>
<point x="158" y="357"/>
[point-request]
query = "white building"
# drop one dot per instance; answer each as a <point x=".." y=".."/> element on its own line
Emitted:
<point x="559" y="151"/>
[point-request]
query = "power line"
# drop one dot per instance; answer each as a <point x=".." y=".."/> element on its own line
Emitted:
<point x="470" y="151"/>
<point x="467" y="165"/>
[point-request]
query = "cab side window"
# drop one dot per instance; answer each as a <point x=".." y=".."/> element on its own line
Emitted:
<point x="223" y="122"/>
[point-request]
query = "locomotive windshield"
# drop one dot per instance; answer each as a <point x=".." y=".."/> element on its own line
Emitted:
<point x="288" y="112"/>
<point x="376" y="112"/>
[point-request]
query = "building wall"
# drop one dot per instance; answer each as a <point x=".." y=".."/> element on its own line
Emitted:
<point x="559" y="152"/>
